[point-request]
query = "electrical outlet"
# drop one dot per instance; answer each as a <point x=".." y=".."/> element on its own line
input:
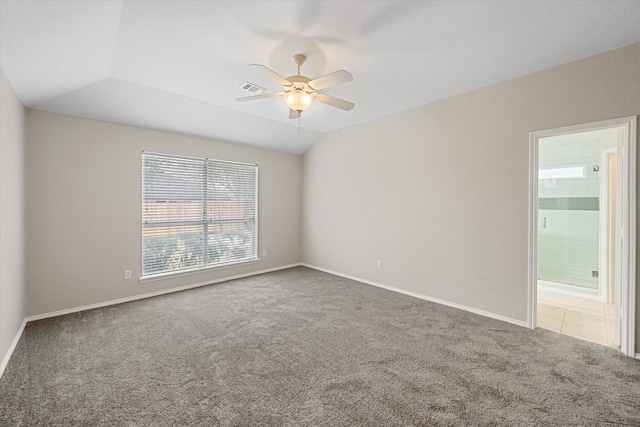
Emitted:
<point x="379" y="263"/>
<point x="264" y="252"/>
<point x="127" y="274"/>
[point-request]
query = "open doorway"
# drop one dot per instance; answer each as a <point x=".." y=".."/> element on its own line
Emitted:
<point x="582" y="232"/>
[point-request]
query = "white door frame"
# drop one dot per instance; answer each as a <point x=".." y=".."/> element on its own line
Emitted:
<point x="604" y="285"/>
<point x="626" y="229"/>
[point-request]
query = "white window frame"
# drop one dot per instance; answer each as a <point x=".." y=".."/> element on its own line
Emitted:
<point x="205" y="265"/>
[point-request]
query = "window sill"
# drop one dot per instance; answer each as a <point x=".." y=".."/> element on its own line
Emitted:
<point x="174" y="274"/>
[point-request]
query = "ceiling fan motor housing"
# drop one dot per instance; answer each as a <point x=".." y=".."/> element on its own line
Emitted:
<point x="299" y="79"/>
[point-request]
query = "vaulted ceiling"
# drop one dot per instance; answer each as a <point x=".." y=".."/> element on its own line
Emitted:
<point x="179" y="65"/>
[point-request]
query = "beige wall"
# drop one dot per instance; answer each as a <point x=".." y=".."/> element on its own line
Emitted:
<point x="440" y="193"/>
<point x="84" y="208"/>
<point x="12" y="271"/>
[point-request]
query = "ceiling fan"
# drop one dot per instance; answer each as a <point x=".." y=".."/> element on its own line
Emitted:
<point x="299" y="92"/>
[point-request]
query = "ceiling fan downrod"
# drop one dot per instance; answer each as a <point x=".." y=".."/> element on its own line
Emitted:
<point x="299" y="60"/>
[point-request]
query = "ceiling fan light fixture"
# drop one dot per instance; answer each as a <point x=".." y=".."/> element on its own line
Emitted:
<point x="298" y="99"/>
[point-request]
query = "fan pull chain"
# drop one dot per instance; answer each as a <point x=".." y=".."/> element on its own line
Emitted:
<point x="299" y="124"/>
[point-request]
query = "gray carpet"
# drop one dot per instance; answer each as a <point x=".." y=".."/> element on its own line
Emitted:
<point x="301" y="347"/>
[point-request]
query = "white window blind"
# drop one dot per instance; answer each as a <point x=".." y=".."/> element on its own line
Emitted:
<point x="197" y="213"/>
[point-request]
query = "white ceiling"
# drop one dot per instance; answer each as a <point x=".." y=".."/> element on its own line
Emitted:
<point x="178" y="65"/>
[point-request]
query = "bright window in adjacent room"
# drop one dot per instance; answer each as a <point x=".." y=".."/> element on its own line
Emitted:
<point x="560" y="173"/>
<point x="197" y="213"/>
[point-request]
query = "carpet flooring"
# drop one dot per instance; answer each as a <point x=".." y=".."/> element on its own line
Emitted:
<point x="299" y="347"/>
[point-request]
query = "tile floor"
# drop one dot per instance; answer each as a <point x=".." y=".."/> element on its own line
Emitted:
<point x="579" y="317"/>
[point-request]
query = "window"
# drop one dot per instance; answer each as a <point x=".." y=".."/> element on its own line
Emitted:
<point x="197" y="213"/>
<point x="559" y="173"/>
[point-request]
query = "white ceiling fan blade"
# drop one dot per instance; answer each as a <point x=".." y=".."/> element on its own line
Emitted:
<point x="293" y="114"/>
<point x="264" y="95"/>
<point x="334" y="102"/>
<point x="272" y="74"/>
<point x="332" y="79"/>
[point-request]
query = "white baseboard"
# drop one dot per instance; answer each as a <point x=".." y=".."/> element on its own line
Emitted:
<point x="7" y="356"/>
<point x="638" y="356"/>
<point x="153" y="294"/>
<point x="424" y="297"/>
